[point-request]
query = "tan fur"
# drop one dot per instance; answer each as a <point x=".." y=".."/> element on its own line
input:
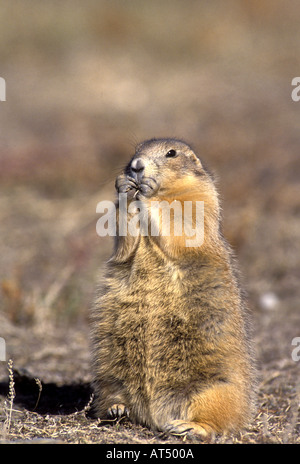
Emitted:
<point x="170" y="332"/>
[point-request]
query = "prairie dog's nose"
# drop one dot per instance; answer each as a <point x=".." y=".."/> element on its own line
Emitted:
<point x="137" y="165"/>
<point x="137" y="168"/>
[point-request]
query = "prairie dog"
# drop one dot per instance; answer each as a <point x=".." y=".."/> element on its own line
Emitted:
<point x="170" y="331"/>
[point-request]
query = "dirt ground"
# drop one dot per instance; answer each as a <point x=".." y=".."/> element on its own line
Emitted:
<point x="85" y="82"/>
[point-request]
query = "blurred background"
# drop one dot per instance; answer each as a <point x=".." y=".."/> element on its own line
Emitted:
<point x="86" y="81"/>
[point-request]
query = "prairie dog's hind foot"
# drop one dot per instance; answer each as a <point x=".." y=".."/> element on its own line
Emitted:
<point x="188" y="429"/>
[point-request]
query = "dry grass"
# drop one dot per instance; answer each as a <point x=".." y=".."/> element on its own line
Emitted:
<point x="84" y="83"/>
<point x="8" y="403"/>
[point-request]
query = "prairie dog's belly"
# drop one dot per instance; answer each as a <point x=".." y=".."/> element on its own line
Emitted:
<point x="151" y="340"/>
<point x="162" y="358"/>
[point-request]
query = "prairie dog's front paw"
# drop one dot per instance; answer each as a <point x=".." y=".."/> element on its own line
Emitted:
<point x="117" y="410"/>
<point x="126" y="184"/>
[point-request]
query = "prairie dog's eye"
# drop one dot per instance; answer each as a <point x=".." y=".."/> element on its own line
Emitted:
<point x="171" y="154"/>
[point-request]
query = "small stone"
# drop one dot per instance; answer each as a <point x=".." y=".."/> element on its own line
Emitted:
<point x="268" y="301"/>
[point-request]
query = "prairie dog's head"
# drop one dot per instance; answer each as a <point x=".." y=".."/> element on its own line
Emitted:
<point x="166" y="174"/>
<point x="168" y="169"/>
<point x="157" y="163"/>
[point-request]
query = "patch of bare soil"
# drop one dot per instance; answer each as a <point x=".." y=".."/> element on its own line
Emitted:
<point x="52" y="397"/>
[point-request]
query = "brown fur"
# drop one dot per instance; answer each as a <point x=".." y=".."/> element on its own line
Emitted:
<point x="170" y="332"/>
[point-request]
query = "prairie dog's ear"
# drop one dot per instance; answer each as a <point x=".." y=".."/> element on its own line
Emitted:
<point x="203" y="165"/>
<point x="195" y="158"/>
